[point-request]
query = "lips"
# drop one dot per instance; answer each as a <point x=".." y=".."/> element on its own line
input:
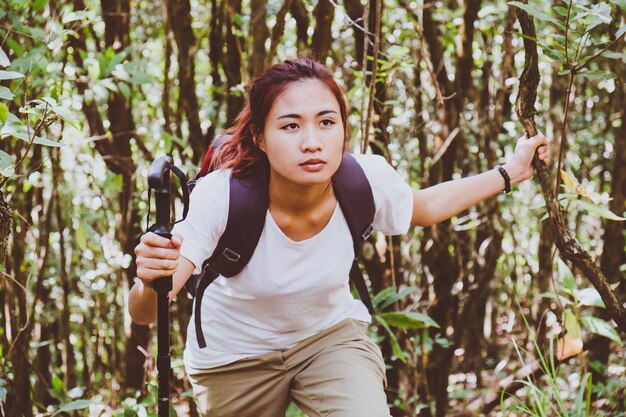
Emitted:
<point x="312" y="161"/>
<point x="313" y="165"/>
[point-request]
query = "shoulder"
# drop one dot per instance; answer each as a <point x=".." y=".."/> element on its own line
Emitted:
<point x="215" y="184"/>
<point x="376" y="168"/>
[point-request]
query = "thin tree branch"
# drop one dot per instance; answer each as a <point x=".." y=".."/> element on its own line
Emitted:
<point x="569" y="247"/>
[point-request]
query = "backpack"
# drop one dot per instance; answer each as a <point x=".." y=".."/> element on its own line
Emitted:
<point x="249" y="201"/>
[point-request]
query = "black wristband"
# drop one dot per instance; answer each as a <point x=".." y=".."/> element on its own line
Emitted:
<point x="507" y="179"/>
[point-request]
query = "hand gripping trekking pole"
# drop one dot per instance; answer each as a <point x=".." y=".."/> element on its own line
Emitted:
<point x="159" y="181"/>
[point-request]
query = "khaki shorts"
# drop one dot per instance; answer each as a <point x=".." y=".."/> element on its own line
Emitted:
<point x="338" y="372"/>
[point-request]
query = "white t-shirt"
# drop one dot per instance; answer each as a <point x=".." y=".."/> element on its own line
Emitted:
<point x="289" y="290"/>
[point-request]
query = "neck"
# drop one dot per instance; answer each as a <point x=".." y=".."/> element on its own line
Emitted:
<point x="298" y="199"/>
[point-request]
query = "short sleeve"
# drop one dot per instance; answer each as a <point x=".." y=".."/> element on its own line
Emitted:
<point x="206" y="220"/>
<point x="393" y="197"/>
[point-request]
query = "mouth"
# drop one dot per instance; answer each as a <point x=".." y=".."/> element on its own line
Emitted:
<point x="313" y="161"/>
<point x="313" y="165"/>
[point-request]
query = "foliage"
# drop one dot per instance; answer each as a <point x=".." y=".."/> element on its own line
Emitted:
<point x="444" y="294"/>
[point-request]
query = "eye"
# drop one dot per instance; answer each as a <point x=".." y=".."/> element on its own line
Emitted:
<point x="290" y="126"/>
<point x="327" y="122"/>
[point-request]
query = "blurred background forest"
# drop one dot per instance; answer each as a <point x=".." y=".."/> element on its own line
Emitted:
<point x="470" y="312"/>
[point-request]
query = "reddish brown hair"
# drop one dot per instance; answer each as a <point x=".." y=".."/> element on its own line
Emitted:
<point x="241" y="152"/>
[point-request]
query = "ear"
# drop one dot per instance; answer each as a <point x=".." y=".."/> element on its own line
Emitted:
<point x="259" y="139"/>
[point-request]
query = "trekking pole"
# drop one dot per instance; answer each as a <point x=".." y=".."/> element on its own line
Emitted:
<point x="159" y="180"/>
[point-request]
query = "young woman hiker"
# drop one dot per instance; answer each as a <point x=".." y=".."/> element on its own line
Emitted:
<point x="287" y="327"/>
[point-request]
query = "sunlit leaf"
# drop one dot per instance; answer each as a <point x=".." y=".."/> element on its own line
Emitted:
<point x="4" y="59"/>
<point x="589" y="297"/>
<point x="6" y="164"/>
<point x="74" y="405"/>
<point x="393" y="340"/>
<point x="619" y="3"/>
<point x="569" y="181"/>
<point x="569" y="282"/>
<point x="6" y="94"/>
<point x="10" y="75"/>
<point x="600" y="327"/>
<point x="571" y="324"/>
<point x="81" y="238"/>
<point x="598" y="210"/>
<point x="4" y="113"/>
<point x="408" y="319"/>
<point x="535" y="12"/>
<point x="598" y="75"/>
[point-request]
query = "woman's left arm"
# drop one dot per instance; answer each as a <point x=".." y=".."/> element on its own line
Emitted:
<point x="440" y="202"/>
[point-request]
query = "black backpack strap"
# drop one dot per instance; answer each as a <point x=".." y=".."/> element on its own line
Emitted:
<point x="247" y="208"/>
<point x="354" y="194"/>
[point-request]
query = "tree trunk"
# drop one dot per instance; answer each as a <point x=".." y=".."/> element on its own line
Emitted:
<point x="179" y="19"/>
<point x="613" y="249"/>
<point x="260" y="33"/>
<point x="69" y="357"/>
<point x="322" y="37"/>
<point x="116" y="16"/>
<point x="300" y="14"/>
<point x="232" y="62"/>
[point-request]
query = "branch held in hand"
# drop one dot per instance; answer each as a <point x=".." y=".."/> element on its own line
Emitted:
<point x="565" y="241"/>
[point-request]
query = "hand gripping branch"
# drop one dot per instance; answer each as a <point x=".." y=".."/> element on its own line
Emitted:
<point x="159" y="181"/>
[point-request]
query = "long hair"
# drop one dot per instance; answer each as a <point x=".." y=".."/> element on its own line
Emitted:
<point x="241" y="152"/>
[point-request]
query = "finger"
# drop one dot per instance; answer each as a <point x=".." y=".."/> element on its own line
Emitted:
<point x="152" y="239"/>
<point x="145" y="251"/>
<point x="163" y="264"/>
<point x="148" y="274"/>
<point x="539" y="140"/>
<point x="177" y="241"/>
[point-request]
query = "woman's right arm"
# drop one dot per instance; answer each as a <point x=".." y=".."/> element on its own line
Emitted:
<point x="156" y="257"/>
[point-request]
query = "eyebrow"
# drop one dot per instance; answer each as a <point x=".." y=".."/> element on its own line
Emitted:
<point x="297" y="116"/>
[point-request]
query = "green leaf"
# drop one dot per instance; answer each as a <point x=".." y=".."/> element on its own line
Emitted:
<point x="600" y="14"/>
<point x="6" y="94"/>
<point x="569" y="282"/>
<point x="408" y="319"/>
<point x="81" y="238"/>
<point x="7" y="164"/>
<point x="124" y="89"/>
<point x="598" y="75"/>
<point x="393" y="340"/>
<point x="48" y="142"/>
<point x="598" y="210"/>
<point x="619" y="3"/>
<point x="57" y="384"/>
<point x="37" y="33"/>
<point x="589" y="297"/>
<point x="140" y="78"/>
<point x="561" y="10"/>
<point x="4" y="59"/>
<point x="10" y="75"/>
<point x="4" y="113"/>
<point x="535" y="12"/>
<point x="396" y="297"/>
<point x="67" y="116"/>
<point x="74" y="405"/>
<point x="553" y="52"/>
<point x="38" y="5"/>
<point x="571" y="324"/>
<point x="383" y="295"/>
<point x="620" y="32"/>
<point x="75" y="15"/>
<point x="600" y="327"/>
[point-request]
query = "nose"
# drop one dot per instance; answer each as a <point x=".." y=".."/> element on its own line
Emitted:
<point x="311" y="141"/>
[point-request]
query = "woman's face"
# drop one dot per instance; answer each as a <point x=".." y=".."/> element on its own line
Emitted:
<point x="303" y="136"/>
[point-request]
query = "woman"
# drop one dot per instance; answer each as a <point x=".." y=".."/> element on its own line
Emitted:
<point x="287" y="327"/>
